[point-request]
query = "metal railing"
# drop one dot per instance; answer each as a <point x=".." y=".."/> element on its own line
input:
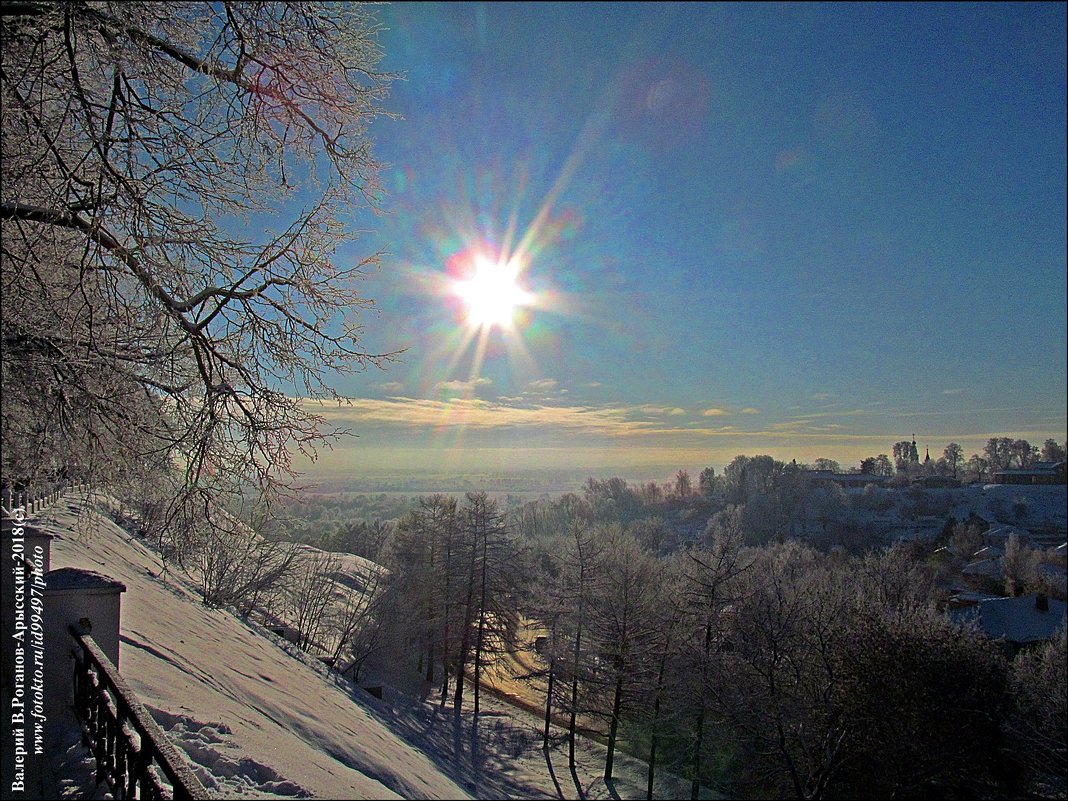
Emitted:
<point x="131" y="751"/>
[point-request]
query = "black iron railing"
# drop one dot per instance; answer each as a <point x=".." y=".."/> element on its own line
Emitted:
<point x="132" y="754"/>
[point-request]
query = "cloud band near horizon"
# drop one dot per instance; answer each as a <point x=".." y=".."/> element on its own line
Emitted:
<point x="532" y="423"/>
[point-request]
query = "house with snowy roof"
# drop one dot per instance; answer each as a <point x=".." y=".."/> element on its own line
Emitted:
<point x="1022" y="622"/>
<point x="988" y="569"/>
<point x="988" y="552"/>
<point x="999" y="535"/>
<point x="1038" y="473"/>
<point x="845" y="480"/>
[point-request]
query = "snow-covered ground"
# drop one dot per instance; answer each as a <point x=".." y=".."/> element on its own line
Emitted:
<point x="256" y="718"/>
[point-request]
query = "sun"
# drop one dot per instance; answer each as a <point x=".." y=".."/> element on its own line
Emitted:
<point x="492" y="293"/>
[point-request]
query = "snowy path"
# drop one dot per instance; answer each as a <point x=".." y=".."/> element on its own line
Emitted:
<point x="507" y="761"/>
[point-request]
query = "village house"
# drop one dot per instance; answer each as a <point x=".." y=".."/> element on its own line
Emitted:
<point x="1022" y="622"/>
<point x="845" y="480"/>
<point x="1038" y="473"/>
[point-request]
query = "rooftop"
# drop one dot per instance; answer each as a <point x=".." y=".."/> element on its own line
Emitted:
<point x="1019" y="620"/>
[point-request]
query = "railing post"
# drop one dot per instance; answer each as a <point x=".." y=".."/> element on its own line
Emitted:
<point x="71" y="596"/>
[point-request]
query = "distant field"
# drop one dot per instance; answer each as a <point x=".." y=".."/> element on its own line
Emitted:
<point x="530" y="484"/>
<point x="526" y="495"/>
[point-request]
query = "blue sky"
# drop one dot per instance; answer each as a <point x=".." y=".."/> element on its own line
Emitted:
<point x="803" y="230"/>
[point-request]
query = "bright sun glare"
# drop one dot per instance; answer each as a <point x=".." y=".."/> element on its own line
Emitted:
<point x="492" y="293"/>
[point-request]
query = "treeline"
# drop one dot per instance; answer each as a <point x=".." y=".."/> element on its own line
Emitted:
<point x="999" y="453"/>
<point x="346" y="522"/>
<point x="1003" y="453"/>
<point x="776" y="501"/>
<point x="772" y="671"/>
<point x="904" y="463"/>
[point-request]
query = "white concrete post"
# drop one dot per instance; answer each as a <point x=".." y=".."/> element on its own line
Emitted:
<point x="74" y="596"/>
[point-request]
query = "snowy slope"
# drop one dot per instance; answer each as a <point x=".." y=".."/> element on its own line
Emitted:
<point x="257" y="718"/>
<point x="252" y="719"/>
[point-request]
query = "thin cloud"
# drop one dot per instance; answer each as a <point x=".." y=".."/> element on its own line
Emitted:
<point x="542" y="385"/>
<point x="457" y="385"/>
<point x="822" y="396"/>
<point x="574" y="422"/>
<point x="622" y="423"/>
<point x="750" y="410"/>
<point x="661" y="411"/>
<point x="952" y="391"/>
<point x="714" y="412"/>
<point x="842" y="413"/>
<point x="393" y="386"/>
<point x="474" y="413"/>
<point x="790" y="425"/>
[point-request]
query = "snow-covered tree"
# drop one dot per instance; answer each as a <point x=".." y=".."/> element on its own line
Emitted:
<point x="173" y="180"/>
<point x="1052" y="451"/>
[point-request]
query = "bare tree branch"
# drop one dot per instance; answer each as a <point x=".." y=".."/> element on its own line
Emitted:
<point x="139" y="139"/>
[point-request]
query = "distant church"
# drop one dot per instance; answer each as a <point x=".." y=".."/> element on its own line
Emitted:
<point x="914" y="455"/>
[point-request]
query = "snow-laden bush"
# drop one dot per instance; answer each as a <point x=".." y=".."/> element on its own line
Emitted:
<point x="876" y="499"/>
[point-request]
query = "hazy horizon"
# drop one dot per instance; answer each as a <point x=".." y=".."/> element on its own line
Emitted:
<point x="574" y="464"/>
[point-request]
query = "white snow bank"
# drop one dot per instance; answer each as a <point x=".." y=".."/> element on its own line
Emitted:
<point x="252" y="720"/>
